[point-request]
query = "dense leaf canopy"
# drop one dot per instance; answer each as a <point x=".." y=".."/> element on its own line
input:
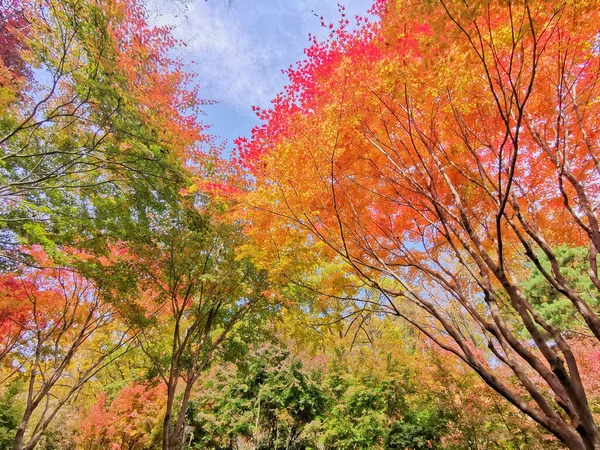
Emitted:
<point x="403" y="254"/>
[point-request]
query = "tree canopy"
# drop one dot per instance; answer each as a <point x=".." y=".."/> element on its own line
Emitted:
<point x="402" y="255"/>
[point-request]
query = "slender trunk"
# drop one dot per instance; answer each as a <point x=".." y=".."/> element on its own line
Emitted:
<point x="166" y="435"/>
<point x="18" y="442"/>
<point x="292" y="435"/>
<point x="178" y="433"/>
<point x="176" y="443"/>
<point x="172" y="385"/>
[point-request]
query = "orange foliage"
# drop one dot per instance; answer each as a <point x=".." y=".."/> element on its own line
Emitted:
<point x="440" y="151"/>
<point x="348" y="139"/>
<point x="131" y="421"/>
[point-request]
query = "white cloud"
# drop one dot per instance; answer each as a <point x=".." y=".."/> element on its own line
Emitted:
<point x="239" y="52"/>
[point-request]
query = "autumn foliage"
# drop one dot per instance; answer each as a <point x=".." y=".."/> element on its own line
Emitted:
<point x="130" y="421"/>
<point x="403" y="254"/>
<point x="445" y="152"/>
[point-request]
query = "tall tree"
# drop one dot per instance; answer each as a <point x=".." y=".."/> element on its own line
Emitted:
<point x="61" y="335"/>
<point x="186" y="290"/>
<point x="441" y="187"/>
<point x="98" y="136"/>
<point x="109" y="114"/>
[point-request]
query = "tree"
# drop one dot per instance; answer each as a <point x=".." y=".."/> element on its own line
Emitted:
<point x="109" y="114"/>
<point x="131" y="421"/>
<point x="182" y="286"/>
<point x="441" y="188"/>
<point x="551" y="304"/>
<point x="63" y="336"/>
<point x="268" y="399"/>
<point x="101" y="151"/>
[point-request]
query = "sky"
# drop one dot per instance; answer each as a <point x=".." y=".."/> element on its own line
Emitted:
<point x="239" y="51"/>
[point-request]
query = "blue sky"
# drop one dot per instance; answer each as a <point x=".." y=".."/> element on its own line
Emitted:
<point x="239" y="52"/>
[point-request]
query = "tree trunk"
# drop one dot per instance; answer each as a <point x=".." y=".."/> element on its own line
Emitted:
<point x="18" y="442"/>
<point x="166" y="434"/>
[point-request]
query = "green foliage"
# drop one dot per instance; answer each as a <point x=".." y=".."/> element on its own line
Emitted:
<point x="11" y="411"/>
<point x="380" y="410"/>
<point x="83" y="157"/>
<point x="267" y="398"/>
<point x="550" y="303"/>
<point x="271" y="400"/>
<point x="421" y="429"/>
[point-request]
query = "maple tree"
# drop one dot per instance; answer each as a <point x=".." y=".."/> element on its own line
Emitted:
<point x="13" y="69"/>
<point x="183" y="288"/>
<point x="436" y="162"/>
<point x="110" y="113"/>
<point x="131" y="420"/>
<point x="435" y="185"/>
<point x="61" y="336"/>
<point x="97" y="136"/>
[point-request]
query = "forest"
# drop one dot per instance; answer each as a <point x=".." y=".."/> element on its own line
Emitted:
<point x="402" y="254"/>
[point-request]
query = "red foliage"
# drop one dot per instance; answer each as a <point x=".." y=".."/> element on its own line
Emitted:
<point x="129" y="422"/>
<point x="13" y="26"/>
